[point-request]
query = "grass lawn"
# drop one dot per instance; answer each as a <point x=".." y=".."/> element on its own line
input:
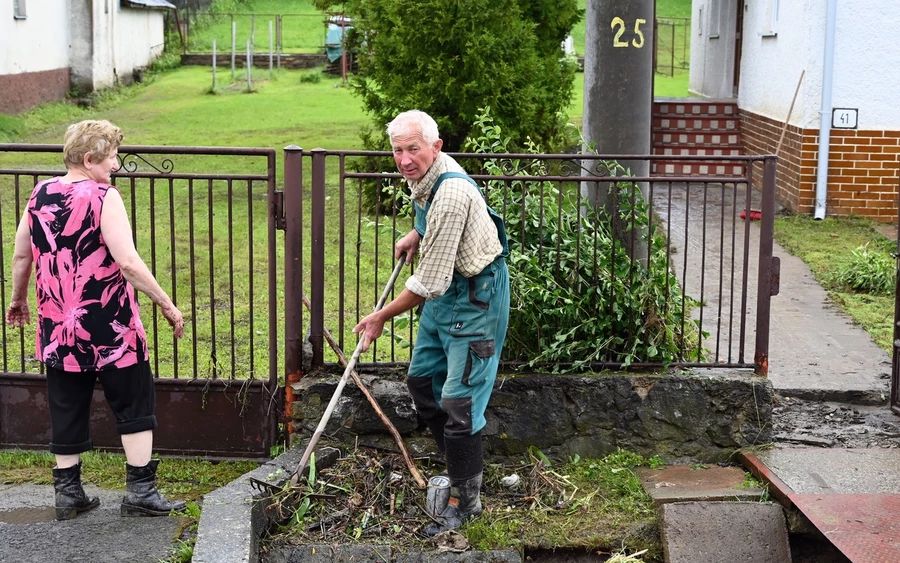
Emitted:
<point x="176" y="109"/>
<point x="827" y="248"/>
<point x="303" y="28"/>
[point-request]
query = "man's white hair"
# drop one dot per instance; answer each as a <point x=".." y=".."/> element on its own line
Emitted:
<point x="412" y="122"/>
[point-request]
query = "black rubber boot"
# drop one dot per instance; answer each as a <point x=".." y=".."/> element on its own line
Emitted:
<point x="141" y="496"/>
<point x="465" y="464"/>
<point x="70" y="496"/>
<point x="469" y="506"/>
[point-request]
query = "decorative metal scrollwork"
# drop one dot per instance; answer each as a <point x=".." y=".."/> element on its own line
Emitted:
<point x="570" y="168"/>
<point x="131" y="162"/>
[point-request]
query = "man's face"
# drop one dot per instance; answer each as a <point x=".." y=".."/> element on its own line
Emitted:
<point x="413" y="155"/>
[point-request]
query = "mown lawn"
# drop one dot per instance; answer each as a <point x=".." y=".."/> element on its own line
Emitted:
<point x="827" y="247"/>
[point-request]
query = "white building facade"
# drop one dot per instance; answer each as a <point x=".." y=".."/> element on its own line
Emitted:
<point x="48" y="47"/>
<point x="839" y="74"/>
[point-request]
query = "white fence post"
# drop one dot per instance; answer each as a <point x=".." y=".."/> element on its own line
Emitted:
<point x="214" y="64"/>
<point x="233" y="46"/>
<point x="249" y="66"/>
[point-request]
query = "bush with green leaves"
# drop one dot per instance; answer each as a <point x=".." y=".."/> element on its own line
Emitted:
<point x="449" y="59"/>
<point x="869" y="270"/>
<point x="576" y="297"/>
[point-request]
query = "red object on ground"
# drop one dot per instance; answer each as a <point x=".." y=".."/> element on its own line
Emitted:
<point x="755" y="214"/>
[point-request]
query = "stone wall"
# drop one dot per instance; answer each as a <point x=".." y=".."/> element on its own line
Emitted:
<point x="260" y="60"/>
<point x="703" y="416"/>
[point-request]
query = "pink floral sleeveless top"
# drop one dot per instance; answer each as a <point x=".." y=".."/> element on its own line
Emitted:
<point x="88" y="317"/>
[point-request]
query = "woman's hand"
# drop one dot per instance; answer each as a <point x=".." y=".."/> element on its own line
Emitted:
<point x="18" y="314"/>
<point x="176" y="321"/>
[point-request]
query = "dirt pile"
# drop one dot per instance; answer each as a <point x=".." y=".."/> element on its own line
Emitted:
<point x="834" y="425"/>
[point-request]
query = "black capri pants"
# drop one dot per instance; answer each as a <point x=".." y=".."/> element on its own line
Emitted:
<point x="129" y="392"/>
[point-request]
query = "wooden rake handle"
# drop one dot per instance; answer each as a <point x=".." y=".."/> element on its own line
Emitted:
<point x="420" y="481"/>
<point x="350" y="370"/>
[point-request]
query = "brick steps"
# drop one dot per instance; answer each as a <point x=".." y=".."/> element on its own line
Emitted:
<point x="696" y="128"/>
<point x="704" y="139"/>
<point x="697" y="168"/>
<point x="694" y="124"/>
<point x="710" y="150"/>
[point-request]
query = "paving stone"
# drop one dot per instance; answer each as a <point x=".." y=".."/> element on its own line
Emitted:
<point x="718" y="532"/>
<point x="363" y="553"/>
<point x="680" y="483"/>
<point x="496" y="556"/>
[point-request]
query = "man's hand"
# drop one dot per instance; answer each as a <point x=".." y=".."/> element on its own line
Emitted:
<point x="408" y="245"/>
<point x="18" y="314"/>
<point x="369" y="328"/>
<point x="176" y="321"/>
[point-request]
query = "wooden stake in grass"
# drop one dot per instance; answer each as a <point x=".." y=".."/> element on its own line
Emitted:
<point x="271" y="54"/>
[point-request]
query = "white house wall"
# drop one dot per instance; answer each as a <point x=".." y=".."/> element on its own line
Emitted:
<point x="34" y="55"/>
<point x="866" y="55"/>
<point x="145" y="25"/>
<point x="37" y="43"/>
<point x="712" y="48"/>
<point x="772" y="63"/>
<point x="124" y="39"/>
<point x="82" y="44"/>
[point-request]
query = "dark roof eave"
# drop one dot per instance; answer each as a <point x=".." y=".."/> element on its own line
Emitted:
<point x="148" y="4"/>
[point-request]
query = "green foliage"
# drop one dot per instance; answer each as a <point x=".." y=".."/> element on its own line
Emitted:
<point x="868" y="270"/>
<point x="167" y="61"/>
<point x="449" y="60"/>
<point x="576" y="296"/>
<point x="581" y="503"/>
<point x="311" y="77"/>
<point x="11" y="127"/>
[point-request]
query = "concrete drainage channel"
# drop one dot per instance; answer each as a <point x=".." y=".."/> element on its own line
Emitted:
<point x="695" y="513"/>
<point x="698" y="416"/>
<point x="234" y="519"/>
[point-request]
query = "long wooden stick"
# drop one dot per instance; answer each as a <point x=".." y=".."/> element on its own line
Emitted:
<point x="375" y="406"/>
<point x="790" y="111"/>
<point x="295" y="478"/>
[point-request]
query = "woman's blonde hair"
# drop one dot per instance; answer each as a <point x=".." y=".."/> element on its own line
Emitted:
<point x="95" y="138"/>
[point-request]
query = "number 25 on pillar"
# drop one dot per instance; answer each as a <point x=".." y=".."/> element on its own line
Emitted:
<point x="618" y="25"/>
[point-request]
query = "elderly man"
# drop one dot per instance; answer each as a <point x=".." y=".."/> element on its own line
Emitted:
<point x="463" y="282"/>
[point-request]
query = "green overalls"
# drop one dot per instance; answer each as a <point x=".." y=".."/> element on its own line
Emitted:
<point x="457" y="352"/>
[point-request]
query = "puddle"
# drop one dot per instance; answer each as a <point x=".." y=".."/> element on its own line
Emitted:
<point x="28" y="515"/>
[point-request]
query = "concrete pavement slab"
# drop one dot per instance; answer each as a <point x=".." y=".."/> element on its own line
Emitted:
<point x="715" y="532"/>
<point x="680" y="483"/>
<point x="96" y="536"/>
<point x="835" y="471"/>
<point x="815" y="351"/>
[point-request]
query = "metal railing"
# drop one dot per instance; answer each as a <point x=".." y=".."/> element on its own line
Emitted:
<point x="341" y="249"/>
<point x="208" y="238"/>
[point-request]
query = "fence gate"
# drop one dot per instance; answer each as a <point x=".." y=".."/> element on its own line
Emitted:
<point x="209" y="238"/>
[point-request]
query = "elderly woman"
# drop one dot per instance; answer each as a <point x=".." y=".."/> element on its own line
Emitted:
<point x="75" y="231"/>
